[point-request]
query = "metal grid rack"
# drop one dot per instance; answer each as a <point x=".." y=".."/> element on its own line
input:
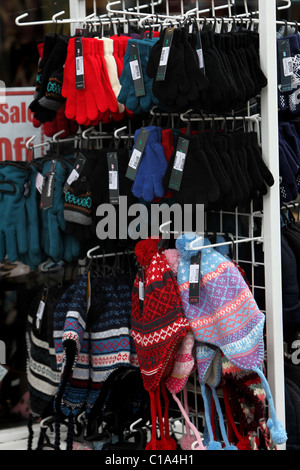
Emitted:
<point x="268" y="221"/>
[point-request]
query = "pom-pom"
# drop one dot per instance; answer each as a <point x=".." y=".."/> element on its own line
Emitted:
<point x="278" y="434"/>
<point x="231" y="447"/>
<point x="214" y="445"/>
<point x="186" y="442"/>
<point x="145" y="250"/>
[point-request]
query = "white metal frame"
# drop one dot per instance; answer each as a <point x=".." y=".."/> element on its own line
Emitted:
<point x="269" y="142"/>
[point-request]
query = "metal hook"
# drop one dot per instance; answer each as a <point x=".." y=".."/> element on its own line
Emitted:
<point x="55" y="137"/>
<point x="286" y="6"/>
<point x="28" y="143"/>
<point x="117" y="132"/>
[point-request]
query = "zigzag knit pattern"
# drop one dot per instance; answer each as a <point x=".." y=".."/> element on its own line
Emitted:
<point x="160" y="325"/>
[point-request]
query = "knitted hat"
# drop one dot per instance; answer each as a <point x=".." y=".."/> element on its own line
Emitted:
<point x="226" y="319"/>
<point x="109" y="324"/>
<point x="43" y="374"/>
<point x="158" y="327"/>
<point x="78" y="203"/>
<point x="72" y="351"/>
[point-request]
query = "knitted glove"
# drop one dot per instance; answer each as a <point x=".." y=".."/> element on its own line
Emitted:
<point x="53" y="222"/>
<point x="127" y="93"/>
<point x="198" y="185"/>
<point x="176" y="82"/>
<point x="148" y="181"/>
<point x="13" y="223"/>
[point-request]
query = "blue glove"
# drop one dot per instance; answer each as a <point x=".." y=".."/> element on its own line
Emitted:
<point x="53" y="222"/>
<point x="13" y="222"/>
<point x="148" y="181"/>
<point x="127" y="92"/>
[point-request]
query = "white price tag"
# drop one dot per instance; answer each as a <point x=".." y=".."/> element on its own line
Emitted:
<point x="113" y="180"/>
<point x="135" y="159"/>
<point x="164" y="55"/>
<point x="201" y="58"/>
<point x="288" y="66"/>
<point x="179" y="161"/>
<point x="79" y="66"/>
<point x="141" y="291"/>
<point x="73" y="177"/>
<point x="194" y="273"/>
<point x="135" y="70"/>
<point x="39" y="182"/>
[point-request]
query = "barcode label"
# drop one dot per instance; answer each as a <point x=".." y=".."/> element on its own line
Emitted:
<point x="194" y="273"/>
<point x="141" y="291"/>
<point x="79" y="66"/>
<point x="135" y="70"/>
<point x="113" y="180"/>
<point x="135" y="159"/>
<point x="73" y="177"/>
<point x="164" y="56"/>
<point x="179" y="161"/>
<point x="288" y="66"/>
<point x="201" y="58"/>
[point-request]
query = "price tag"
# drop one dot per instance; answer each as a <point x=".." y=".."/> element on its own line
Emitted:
<point x="76" y="171"/>
<point x="79" y="64"/>
<point x="136" y="69"/>
<point x="113" y="175"/>
<point x="179" y="164"/>
<point x="164" y="56"/>
<point x="41" y="310"/>
<point x="48" y="187"/>
<point x="137" y="154"/>
<point x="285" y="64"/>
<point x="194" y="279"/>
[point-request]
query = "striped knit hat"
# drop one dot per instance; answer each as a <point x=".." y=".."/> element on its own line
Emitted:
<point x="109" y="324"/>
<point x="226" y="319"/>
<point x="158" y="327"/>
<point x="71" y="342"/>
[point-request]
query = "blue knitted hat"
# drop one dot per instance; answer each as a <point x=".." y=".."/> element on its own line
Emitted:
<point x="110" y="332"/>
<point x="226" y="319"/>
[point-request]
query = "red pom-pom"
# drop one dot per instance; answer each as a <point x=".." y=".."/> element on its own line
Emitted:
<point x="244" y="444"/>
<point x="145" y="250"/>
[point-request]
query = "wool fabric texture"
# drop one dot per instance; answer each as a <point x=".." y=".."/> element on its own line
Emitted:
<point x="43" y="375"/>
<point x="70" y="334"/>
<point x="109" y="324"/>
<point x="158" y="327"/>
<point x="226" y="319"/>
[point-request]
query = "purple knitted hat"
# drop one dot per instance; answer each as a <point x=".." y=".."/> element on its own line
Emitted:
<point x="226" y="319"/>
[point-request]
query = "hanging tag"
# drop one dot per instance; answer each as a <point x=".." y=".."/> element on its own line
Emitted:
<point x="164" y="57"/>
<point x="76" y="171"/>
<point x="194" y="279"/>
<point x="199" y="51"/>
<point x="286" y="65"/>
<point x="137" y="154"/>
<point x="79" y="64"/>
<point x="39" y="182"/>
<point x="179" y="164"/>
<point x="136" y="70"/>
<point x="113" y="174"/>
<point x="41" y="309"/>
<point x="48" y="187"/>
<point x="141" y="284"/>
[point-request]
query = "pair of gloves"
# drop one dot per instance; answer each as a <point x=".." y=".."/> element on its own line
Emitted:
<point x="27" y="232"/>
<point x="127" y="95"/>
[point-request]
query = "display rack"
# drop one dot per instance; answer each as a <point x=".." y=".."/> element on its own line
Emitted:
<point x="270" y="243"/>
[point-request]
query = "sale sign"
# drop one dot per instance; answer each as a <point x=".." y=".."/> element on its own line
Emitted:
<point x="16" y="125"/>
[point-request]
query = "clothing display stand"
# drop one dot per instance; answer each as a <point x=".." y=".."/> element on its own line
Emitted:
<point x="266" y="122"/>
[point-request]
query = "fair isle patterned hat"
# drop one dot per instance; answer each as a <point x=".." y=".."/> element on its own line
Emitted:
<point x="226" y="319"/>
<point x="158" y="327"/>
